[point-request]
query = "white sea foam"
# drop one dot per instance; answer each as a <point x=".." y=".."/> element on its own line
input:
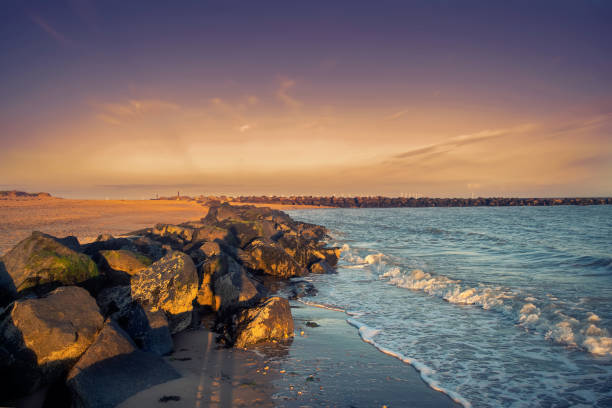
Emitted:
<point x="321" y="305"/>
<point x="367" y="334"/>
<point x="545" y="317"/>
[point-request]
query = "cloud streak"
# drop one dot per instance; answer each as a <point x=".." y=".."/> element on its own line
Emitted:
<point x="282" y="93"/>
<point x="52" y="32"/>
<point x="453" y="143"/>
<point x="396" y="115"/>
<point x="116" y="113"/>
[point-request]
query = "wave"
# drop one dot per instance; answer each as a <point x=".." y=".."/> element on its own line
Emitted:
<point x="367" y="334"/>
<point x="594" y="262"/>
<point x="544" y="316"/>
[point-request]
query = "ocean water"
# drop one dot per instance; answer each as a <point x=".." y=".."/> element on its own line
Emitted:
<point x="497" y="307"/>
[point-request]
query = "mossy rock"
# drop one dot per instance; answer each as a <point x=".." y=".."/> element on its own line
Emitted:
<point x="126" y="261"/>
<point x="41" y="260"/>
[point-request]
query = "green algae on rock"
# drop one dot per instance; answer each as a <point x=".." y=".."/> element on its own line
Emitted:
<point x="41" y="259"/>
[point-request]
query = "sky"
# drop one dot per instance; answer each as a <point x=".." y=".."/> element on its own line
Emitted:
<point x="128" y="99"/>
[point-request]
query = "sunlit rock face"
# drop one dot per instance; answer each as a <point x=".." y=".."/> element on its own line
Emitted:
<point x="42" y="338"/>
<point x="127" y="261"/>
<point x="41" y="261"/>
<point x="272" y="321"/>
<point x="171" y="285"/>
<point x="269" y="258"/>
<point x="119" y="265"/>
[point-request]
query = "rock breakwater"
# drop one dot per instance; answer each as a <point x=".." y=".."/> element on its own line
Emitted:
<point x="74" y="315"/>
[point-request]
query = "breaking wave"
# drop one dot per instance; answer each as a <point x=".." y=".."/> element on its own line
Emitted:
<point x="543" y="316"/>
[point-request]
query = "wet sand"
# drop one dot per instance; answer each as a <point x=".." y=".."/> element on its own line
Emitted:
<point x="86" y="219"/>
<point x="324" y="366"/>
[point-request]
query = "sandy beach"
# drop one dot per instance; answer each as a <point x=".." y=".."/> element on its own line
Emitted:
<point x="86" y="219"/>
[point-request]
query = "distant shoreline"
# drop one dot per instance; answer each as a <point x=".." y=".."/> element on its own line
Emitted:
<point x="402" y="202"/>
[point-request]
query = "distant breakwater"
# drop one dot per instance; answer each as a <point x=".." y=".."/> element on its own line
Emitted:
<point x="395" y="202"/>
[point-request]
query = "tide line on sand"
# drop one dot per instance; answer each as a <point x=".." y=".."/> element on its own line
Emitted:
<point x="367" y="335"/>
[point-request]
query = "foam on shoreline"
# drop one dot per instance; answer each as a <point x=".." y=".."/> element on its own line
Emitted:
<point x="367" y="334"/>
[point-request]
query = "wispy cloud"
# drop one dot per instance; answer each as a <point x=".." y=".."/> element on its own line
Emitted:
<point x="282" y="93"/>
<point x="244" y="128"/>
<point x="115" y="113"/>
<point x="453" y="143"/>
<point x="47" y="28"/>
<point x="396" y="115"/>
<point x="108" y="119"/>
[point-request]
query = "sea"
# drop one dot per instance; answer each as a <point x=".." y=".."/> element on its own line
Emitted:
<point x="496" y="307"/>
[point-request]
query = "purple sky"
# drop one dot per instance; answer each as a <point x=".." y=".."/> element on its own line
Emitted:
<point x="444" y="98"/>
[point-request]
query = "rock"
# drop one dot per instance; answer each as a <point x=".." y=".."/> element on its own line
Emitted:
<point x="42" y="338"/>
<point x="71" y="242"/>
<point x="210" y="249"/>
<point x="121" y="264"/>
<point x="147" y="247"/>
<point x="299" y="289"/>
<point x="271" y="321"/>
<point x="104" y="242"/>
<point x="312" y="232"/>
<point x="173" y="231"/>
<point x="331" y="255"/>
<point x="225" y="211"/>
<point x="206" y="297"/>
<point x="307" y="252"/>
<point x="115" y="301"/>
<point x="212" y="233"/>
<point x="150" y="330"/>
<point x="41" y="263"/>
<point x="271" y="259"/>
<point x="321" y="267"/>
<point x="199" y="252"/>
<point x="112" y="370"/>
<point x="226" y="285"/>
<point x="246" y="231"/>
<point x="171" y="285"/>
<point x="234" y="288"/>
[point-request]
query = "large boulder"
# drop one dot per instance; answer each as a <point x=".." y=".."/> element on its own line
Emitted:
<point x="272" y="321"/>
<point x="226" y="285"/>
<point x="234" y="288"/>
<point x="206" y="296"/>
<point x="270" y="259"/>
<point x="41" y="263"/>
<point x="321" y="267"/>
<point x="225" y="211"/>
<point x="184" y="233"/>
<point x="121" y="264"/>
<point x="307" y="252"/>
<point x="213" y="233"/>
<point x="299" y="288"/>
<point x="171" y="285"/>
<point x="115" y="301"/>
<point x="42" y="338"/>
<point x="113" y="369"/>
<point x="247" y="231"/>
<point x="149" y="329"/>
